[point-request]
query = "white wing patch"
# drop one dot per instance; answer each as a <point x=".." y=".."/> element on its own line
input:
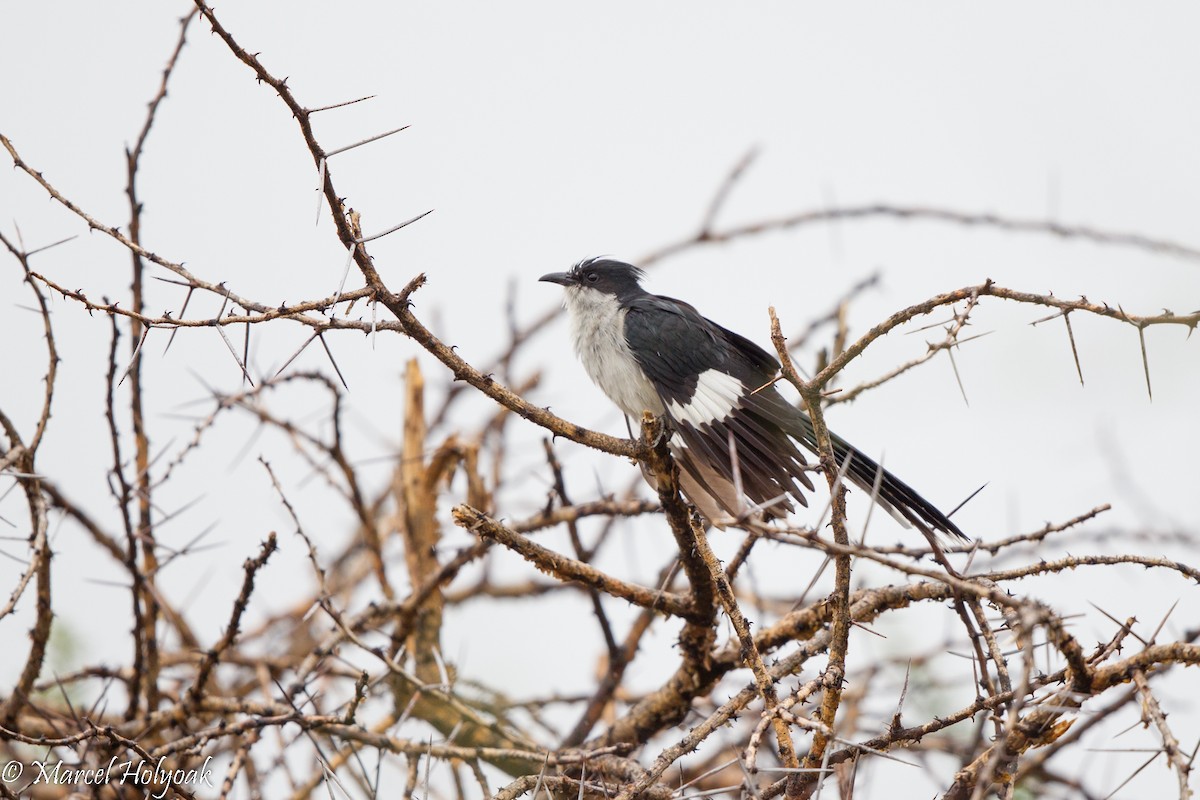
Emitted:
<point x="715" y="398"/>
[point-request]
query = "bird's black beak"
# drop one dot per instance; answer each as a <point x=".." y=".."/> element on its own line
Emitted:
<point x="561" y="278"/>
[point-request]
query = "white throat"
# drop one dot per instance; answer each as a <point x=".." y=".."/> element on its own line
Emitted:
<point x="598" y="333"/>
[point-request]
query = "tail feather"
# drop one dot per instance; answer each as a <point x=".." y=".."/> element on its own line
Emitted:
<point x="893" y="494"/>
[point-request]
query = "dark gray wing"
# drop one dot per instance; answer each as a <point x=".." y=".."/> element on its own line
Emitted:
<point x="706" y="376"/>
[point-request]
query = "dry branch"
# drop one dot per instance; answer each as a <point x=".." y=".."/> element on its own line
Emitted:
<point x="346" y="688"/>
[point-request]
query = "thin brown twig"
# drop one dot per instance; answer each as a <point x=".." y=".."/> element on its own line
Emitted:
<point x="802" y="219"/>
<point x="569" y="569"/>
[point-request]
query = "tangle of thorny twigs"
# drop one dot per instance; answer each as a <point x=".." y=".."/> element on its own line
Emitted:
<point x="783" y="705"/>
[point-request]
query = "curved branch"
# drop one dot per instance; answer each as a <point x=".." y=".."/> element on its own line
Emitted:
<point x="706" y="235"/>
<point x="568" y="569"/>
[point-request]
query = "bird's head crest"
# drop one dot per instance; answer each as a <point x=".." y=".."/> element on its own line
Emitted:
<point x="602" y="274"/>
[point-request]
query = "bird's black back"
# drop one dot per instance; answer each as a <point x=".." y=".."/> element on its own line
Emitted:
<point x="674" y="344"/>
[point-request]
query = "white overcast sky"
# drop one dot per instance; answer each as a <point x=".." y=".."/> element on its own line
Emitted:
<point x="542" y="133"/>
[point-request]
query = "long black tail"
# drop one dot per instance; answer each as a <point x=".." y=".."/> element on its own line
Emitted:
<point x="893" y="494"/>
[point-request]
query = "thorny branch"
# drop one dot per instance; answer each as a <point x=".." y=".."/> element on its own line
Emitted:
<point x="349" y="679"/>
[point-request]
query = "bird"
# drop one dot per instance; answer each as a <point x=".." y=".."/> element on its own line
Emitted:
<point x="732" y="433"/>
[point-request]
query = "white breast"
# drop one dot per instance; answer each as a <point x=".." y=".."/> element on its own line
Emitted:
<point x="598" y="332"/>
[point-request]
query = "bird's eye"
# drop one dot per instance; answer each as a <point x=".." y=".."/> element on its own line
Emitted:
<point x="592" y="277"/>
